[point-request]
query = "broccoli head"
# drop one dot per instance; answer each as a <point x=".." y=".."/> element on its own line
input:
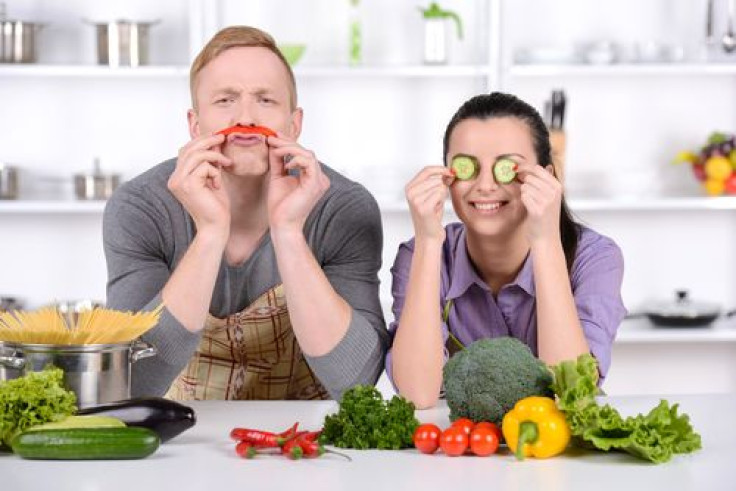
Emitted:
<point x="485" y="380"/>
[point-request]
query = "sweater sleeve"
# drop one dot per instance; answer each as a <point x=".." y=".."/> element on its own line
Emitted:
<point x="138" y="255"/>
<point x="351" y="239"/>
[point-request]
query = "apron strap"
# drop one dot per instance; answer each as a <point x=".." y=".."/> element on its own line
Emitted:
<point x="453" y="344"/>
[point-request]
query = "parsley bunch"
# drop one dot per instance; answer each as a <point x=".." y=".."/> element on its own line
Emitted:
<point x="365" y="420"/>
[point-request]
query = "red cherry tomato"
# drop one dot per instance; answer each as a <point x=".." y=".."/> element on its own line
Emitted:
<point x="483" y="441"/>
<point x="427" y="438"/>
<point x="464" y="423"/>
<point x="491" y="426"/>
<point x="454" y="441"/>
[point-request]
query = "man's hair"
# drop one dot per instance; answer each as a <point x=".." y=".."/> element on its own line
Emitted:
<point x="234" y="37"/>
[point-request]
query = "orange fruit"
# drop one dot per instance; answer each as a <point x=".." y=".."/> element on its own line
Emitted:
<point x="718" y="167"/>
<point x="714" y="187"/>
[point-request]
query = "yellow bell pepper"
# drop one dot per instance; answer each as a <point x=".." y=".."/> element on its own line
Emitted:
<point x="536" y="428"/>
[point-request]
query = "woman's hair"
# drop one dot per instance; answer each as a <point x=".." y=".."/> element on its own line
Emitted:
<point x="500" y="105"/>
<point x="235" y="37"/>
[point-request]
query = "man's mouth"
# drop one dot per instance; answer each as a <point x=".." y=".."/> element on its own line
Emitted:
<point x="244" y="139"/>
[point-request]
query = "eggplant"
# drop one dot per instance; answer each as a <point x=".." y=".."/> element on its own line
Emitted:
<point x="165" y="417"/>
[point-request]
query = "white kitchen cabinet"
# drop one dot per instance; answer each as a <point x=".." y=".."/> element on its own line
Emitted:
<point x="378" y="123"/>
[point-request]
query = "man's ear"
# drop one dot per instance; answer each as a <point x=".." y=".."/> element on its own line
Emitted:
<point x="296" y="122"/>
<point x="193" y="122"/>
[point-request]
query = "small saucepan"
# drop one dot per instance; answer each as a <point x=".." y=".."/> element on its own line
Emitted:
<point x="682" y="312"/>
<point x="96" y="185"/>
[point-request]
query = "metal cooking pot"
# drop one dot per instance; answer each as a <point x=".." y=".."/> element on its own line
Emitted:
<point x="96" y="373"/>
<point x="8" y="182"/>
<point x="96" y="185"/>
<point x="122" y="43"/>
<point x="17" y="39"/>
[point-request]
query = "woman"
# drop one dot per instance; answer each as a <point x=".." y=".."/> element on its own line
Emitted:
<point x="517" y="264"/>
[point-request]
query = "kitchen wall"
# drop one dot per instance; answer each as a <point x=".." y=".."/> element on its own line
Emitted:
<point x="623" y="127"/>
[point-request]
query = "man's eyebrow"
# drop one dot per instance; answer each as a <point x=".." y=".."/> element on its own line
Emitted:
<point x="226" y="91"/>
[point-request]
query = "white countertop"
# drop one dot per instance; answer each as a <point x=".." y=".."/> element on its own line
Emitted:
<point x="204" y="458"/>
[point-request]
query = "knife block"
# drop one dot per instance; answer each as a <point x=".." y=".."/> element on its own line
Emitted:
<point x="557" y="142"/>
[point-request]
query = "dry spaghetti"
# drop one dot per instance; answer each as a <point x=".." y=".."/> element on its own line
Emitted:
<point x="94" y="326"/>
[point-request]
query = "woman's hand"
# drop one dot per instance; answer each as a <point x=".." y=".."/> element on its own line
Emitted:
<point x="292" y="197"/>
<point x="541" y="194"/>
<point x="197" y="184"/>
<point x="426" y="194"/>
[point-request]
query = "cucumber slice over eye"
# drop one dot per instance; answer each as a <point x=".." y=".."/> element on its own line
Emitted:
<point x="504" y="171"/>
<point x="465" y="167"/>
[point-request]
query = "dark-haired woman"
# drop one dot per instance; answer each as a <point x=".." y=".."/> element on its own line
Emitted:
<point x="517" y="264"/>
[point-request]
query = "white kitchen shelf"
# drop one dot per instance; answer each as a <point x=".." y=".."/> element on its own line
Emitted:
<point x="31" y="70"/>
<point x="614" y="69"/>
<point x="67" y="207"/>
<point x="643" y="331"/>
<point x="397" y="71"/>
<point x="695" y="203"/>
<point x="325" y="71"/>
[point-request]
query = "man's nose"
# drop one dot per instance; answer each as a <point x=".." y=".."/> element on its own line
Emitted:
<point x="246" y="115"/>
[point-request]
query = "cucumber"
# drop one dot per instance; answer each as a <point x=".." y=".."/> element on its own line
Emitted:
<point x="464" y="167"/>
<point x="80" y="422"/>
<point x="86" y="444"/>
<point x="504" y="171"/>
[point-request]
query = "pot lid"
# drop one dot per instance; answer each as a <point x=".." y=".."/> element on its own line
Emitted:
<point x="684" y="307"/>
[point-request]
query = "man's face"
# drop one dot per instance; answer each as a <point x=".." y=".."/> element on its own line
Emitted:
<point x="247" y="86"/>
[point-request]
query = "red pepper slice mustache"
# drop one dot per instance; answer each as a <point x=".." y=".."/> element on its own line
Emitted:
<point x="253" y="129"/>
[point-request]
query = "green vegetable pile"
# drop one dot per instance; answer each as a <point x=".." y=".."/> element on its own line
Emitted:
<point x="485" y="380"/>
<point x="366" y="420"/>
<point x="36" y="398"/>
<point x="655" y="436"/>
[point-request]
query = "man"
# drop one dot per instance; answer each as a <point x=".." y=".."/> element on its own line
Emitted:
<point x="265" y="260"/>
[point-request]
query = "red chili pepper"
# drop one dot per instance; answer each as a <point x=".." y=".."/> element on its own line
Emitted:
<point x="263" y="438"/>
<point x="245" y="450"/>
<point x="253" y="129"/>
<point x="292" y="449"/>
<point x="311" y="448"/>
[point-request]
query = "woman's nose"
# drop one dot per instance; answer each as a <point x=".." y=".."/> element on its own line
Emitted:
<point x="485" y="180"/>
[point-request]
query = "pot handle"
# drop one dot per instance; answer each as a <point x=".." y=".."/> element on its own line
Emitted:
<point x="141" y="350"/>
<point x="15" y="360"/>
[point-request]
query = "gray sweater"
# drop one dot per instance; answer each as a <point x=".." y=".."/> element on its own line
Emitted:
<point x="146" y="231"/>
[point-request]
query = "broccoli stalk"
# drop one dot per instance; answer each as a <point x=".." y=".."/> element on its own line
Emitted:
<point x="485" y="380"/>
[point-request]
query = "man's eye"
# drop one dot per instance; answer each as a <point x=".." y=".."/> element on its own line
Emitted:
<point x="224" y="100"/>
<point x="266" y="100"/>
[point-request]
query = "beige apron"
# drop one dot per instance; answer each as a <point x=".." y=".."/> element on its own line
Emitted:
<point x="252" y="354"/>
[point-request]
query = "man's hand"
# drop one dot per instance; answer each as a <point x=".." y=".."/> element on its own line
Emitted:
<point x="197" y="184"/>
<point x="292" y="197"/>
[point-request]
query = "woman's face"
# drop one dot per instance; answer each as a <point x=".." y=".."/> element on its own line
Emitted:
<point x="486" y="207"/>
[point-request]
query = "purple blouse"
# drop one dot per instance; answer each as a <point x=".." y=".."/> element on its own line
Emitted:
<point x="596" y="277"/>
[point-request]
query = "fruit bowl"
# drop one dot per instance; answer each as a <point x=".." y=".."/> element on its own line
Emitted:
<point x="292" y="52"/>
<point x="714" y="164"/>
